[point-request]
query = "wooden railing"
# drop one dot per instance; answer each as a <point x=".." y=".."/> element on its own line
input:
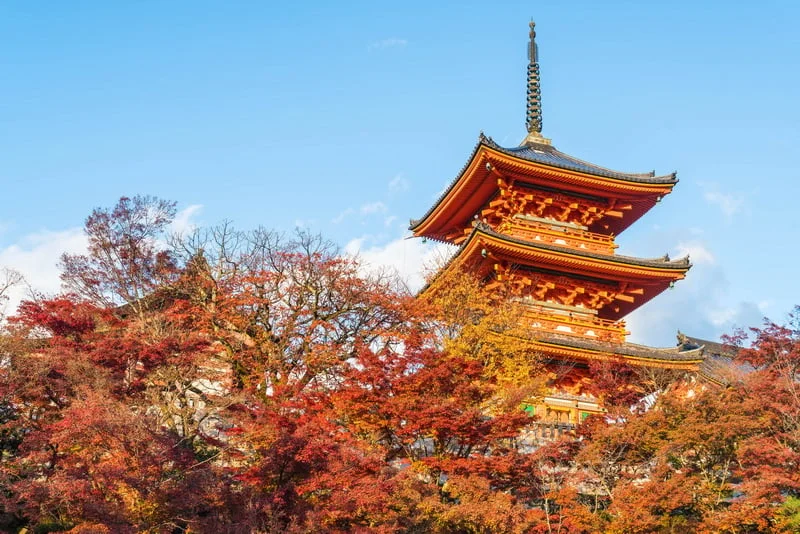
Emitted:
<point x="575" y="324"/>
<point x="554" y="234"/>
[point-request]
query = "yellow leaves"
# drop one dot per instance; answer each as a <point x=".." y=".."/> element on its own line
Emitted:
<point x="136" y="504"/>
<point x="479" y="323"/>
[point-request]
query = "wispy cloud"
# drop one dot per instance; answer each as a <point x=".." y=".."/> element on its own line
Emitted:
<point x="184" y="220"/>
<point x="342" y="215"/>
<point x="373" y="207"/>
<point x="398" y="184"/>
<point x="391" y="42"/>
<point x="304" y="223"/>
<point x="697" y="252"/>
<point x="411" y="259"/>
<point x="729" y="203"/>
<point x="36" y="257"/>
<point x="369" y="208"/>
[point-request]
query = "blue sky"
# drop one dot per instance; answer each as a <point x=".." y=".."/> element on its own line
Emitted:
<point x="350" y="118"/>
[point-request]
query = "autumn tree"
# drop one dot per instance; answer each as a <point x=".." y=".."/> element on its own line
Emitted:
<point x="287" y="311"/>
<point x="126" y="260"/>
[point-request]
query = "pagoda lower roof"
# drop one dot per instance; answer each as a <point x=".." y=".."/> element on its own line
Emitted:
<point x="709" y="364"/>
<point x="633" y="352"/>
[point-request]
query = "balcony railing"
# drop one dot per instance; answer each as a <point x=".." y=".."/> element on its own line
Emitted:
<point x="575" y="324"/>
<point x="555" y="234"/>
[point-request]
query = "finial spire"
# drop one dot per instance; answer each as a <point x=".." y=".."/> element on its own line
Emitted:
<point x="533" y="115"/>
<point x="534" y="111"/>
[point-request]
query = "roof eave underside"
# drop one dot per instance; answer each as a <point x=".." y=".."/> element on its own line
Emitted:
<point x="605" y="174"/>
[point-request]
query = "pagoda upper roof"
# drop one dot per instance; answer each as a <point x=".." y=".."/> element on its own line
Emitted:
<point x="539" y="165"/>
<point x="547" y="154"/>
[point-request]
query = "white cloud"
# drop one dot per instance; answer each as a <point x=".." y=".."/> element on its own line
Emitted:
<point x="184" y="220"/>
<point x="699" y="306"/>
<point x="36" y="257"/>
<point x="398" y="184"/>
<point x="697" y="252"/>
<point x="389" y="220"/>
<point x="304" y="223"/>
<point x="391" y="42"/>
<point x="730" y="204"/>
<point x="342" y="216"/>
<point x="373" y="207"/>
<point x="411" y="258"/>
<point x="370" y="208"/>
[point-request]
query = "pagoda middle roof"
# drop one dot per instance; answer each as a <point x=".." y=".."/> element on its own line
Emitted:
<point x="662" y="262"/>
<point x="655" y="273"/>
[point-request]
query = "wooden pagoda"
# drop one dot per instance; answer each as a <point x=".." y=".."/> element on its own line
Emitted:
<point x="541" y="225"/>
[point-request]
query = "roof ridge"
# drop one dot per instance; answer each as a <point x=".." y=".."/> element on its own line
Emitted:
<point x="576" y="164"/>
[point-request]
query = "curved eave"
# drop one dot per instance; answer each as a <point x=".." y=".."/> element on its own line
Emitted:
<point x="475" y="185"/>
<point x="573" y="348"/>
<point x="578" y="350"/>
<point x="592" y="262"/>
<point x="652" y="275"/>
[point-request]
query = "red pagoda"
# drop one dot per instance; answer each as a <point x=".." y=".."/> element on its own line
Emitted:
<point x="541" y="225"/>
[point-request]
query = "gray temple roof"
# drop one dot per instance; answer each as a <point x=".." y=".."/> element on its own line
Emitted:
<point x="548" y="155"/>
<point x="719" y="364"/>
<point x="675" y="354"/>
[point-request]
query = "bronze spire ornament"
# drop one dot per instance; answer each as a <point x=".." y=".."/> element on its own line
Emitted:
<point x="533" y="115"/>
<point x="534" y="111"/>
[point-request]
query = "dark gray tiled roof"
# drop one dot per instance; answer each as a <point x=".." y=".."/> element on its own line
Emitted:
<point x="711" y="347"/>
<point x="717" y="369"/>
<point x="624" y="349"/>
<point x="549" y="155"/>
<point x="719" y="365"/>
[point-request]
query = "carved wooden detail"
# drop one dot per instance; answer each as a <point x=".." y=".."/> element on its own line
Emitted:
<point x="514" y="200"/>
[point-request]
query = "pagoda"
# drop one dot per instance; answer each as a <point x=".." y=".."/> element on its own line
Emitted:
<point x="539" y="224"/>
